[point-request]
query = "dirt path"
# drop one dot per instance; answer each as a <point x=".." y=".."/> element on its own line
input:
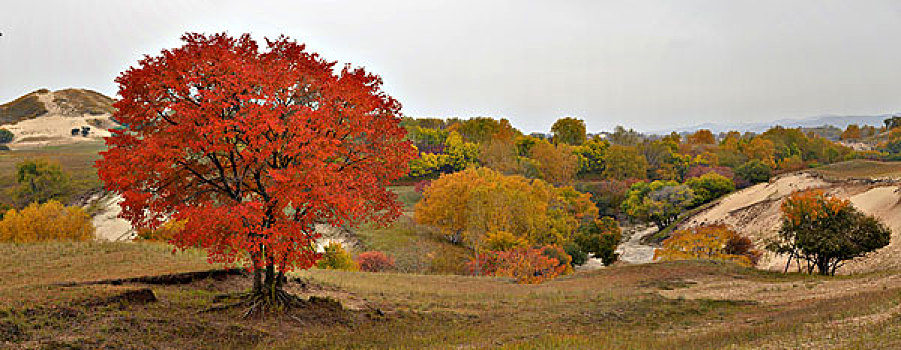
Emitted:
<point x="632" y="251"/>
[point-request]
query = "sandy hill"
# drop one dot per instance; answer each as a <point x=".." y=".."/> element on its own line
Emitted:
<point x="872" y="187"/>
<point x="45" y="117"/>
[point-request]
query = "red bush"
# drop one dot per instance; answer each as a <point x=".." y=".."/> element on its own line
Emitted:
<point x="526" y="265"/>
<point x="375" y="261"/>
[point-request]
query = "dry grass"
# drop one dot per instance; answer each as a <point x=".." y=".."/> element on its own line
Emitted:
<point x="622" y="307"/>
<point x="22" y="108"/>
<point x="860" y="169"/>
<point x="76" y="159"/>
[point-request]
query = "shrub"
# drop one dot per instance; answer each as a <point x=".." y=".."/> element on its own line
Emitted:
<point x="713" y="242"/>
<point x="413" y="258"/>
<point x="50" y="221"/>
<point x="525" y="265"/>
<point x="375" y="261"/>
<point x="557" y="252"/>
<point x="6" y="136"/>
<point x="792" y="163"/>
<point x="576" y="254"/>
<point x="608" y="195"/>
<point x="334" y="257"/>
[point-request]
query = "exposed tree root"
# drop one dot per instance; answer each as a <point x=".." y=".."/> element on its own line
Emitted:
<point x="259" y="303"/>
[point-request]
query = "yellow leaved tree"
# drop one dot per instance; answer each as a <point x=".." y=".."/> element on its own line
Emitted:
<point x="477" y="205"/>
<point x="712" y="242"/>
<point x="50" y="221"/>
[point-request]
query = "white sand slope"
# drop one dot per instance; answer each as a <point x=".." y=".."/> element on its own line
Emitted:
<point x="755" y="212"/>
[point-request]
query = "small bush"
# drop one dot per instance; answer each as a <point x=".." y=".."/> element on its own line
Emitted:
<point x="50" y="221"/>
<point x="6" y="136"/>
<point x="526" y="265"/>
<point x="557" y="252"/>
<point x="336" y="258"/>
<point x="375" y="261"/>
<point x="577" y="256"/>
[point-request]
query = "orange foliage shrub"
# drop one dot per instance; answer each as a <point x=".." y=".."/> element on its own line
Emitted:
<point x="50" y="221"/>
<point x="526" y="265"/>
<point x="713" y="242"/>
<point x="375" y="261"/>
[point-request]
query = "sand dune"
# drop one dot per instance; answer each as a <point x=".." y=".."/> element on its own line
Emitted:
<point x="55" y="126"/>
<point x="755" y="213"/>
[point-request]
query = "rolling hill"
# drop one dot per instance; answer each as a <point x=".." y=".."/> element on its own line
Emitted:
<point x="45" y="117"/>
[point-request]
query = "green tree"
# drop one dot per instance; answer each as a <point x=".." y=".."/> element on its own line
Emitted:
<point x="709" y="186"/>
<point x="625" y="137"/>
<point x="39" y="181"/>
<point x="659" y="202"/>
<point x="754" y="171"/>
<point x="600" y="237"/>
<point x="624" y="162"/>
<point x="569" y="131"/>
<point x="591" y="155"/>
<point x="825" y="232"/>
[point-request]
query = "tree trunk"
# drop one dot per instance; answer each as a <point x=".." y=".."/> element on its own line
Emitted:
<point x="257" y="281"/>
<point x="789" y="261"/>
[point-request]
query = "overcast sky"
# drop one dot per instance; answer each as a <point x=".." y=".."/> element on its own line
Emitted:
<point x="643" y="64"/>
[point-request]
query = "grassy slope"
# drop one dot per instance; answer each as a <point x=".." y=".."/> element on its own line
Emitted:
<point x="76" y="159"/>
<point x="860" y="168"/>
<point x="415" y="248"/>
<point x="612" y="308"/>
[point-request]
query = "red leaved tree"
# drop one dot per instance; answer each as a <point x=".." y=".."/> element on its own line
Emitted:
<point x="251" y="147"/>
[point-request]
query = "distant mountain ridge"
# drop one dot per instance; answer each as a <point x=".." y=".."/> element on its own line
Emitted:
<point x="757" y="127"/>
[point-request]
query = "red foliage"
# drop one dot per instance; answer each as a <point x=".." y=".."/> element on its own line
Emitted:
<point x="698" y="170"/>
<point x="526" y="265"/>
<point x="252" y="146"/>
<point x="375" y="261"/>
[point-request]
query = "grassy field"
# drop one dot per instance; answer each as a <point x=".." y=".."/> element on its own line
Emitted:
<point x="860" y="169"/>
<point x="76" y="159"/>
<point x="684" y="305"/>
